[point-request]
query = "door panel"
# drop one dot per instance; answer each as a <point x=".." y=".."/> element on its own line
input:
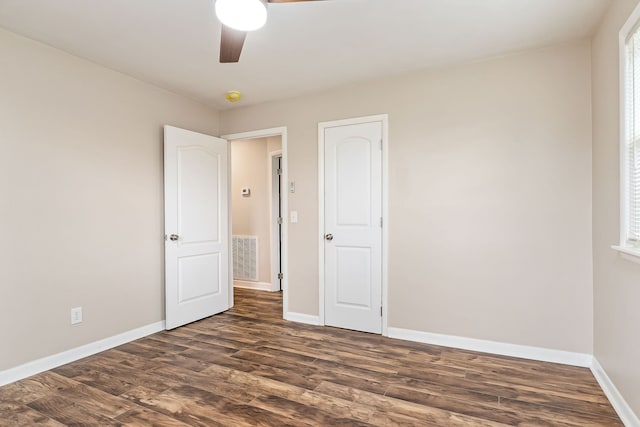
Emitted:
<point x="192" y="270"/>
<point x="353" y="210"/>
<point x="353" y="277"/>
<point x="353" y="182"/>
<point x="196" y="213"/>
<point x="198" y="198"/>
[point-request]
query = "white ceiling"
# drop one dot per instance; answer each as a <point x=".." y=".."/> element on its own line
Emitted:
<point x="304" y="47"/>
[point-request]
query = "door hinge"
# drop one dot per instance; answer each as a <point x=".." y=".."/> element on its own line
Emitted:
<point x="279" y="220"/>
<point x="279" y="171"/>
<point x="380" y="221"/>
<point x="381" y="144"/>
<point x="280" y="276"/>
<point x="380" y="311"/>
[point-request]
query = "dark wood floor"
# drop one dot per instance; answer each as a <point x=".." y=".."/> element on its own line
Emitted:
<point x="249" y="367"/>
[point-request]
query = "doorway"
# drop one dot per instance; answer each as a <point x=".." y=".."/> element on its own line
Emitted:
<point x="352" y="211"/>
<point x="255" y="210"/>
<point x="265" y="202"/>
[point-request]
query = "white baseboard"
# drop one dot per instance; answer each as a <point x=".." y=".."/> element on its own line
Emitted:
<point x="261" y="286"/>
<point x="302" y="318"/>
<point x="59" y="359"/>
<point x="504" y="349"/>
<point x="624" y="411"/>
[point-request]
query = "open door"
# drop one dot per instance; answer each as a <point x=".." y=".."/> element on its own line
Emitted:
<point x="196" y="226"/>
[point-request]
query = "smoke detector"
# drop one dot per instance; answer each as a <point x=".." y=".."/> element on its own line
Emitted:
<point x="233" y="96"/>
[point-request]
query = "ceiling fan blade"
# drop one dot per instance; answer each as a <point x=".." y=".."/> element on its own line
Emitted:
<point x="289" y="1"/>
<point x="231" y="42"/>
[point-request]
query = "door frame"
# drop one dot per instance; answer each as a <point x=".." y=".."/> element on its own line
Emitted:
<point x="274" y="233"/>
<point x="265" y="133"/>
<point x="384" y="119"/>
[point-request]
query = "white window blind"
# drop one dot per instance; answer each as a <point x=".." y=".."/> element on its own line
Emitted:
<point x="631" y="147"/>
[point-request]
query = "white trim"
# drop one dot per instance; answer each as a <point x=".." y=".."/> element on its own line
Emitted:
<point x="261" y="286"/>
<point x="50" y="362"/>
<point x="230" y="220"/>
<point x="321" y="224"/>
<point x="264" y="133"/>
<point x="302" y="318"/>
<point x="622" y="76"/>
<point x="385" y="225"/>
<point x="273" y="220"/>
<point x="630" y="254"/>
<point x="514" y="350"/>
<point x="625" y="32"/>
<point x="384" y="118"/>
<point x="622" y="408"/>
<point x="255" y="134"/>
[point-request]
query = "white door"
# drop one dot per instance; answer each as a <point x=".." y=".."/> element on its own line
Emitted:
<point x="353" y="226"/>
<point x="196" y="226"/>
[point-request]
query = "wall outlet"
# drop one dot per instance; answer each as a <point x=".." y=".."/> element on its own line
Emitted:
<point x="76" y="315"/>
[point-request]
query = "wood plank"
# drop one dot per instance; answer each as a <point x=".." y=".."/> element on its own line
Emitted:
<point x="314" y="373"/>
<point x="111" y="376"/>
<point x="35" y="387"/>
<point x="142" y="417"/>
<point x="505" y="411"/>
<point x="174" y="406"/>
<point x="338" y="407"/>
<point x="13" y="414"/>
<point x="426" y="414"/>
<point x="68" y="411"/>
<point x="206" y="382"/>
<point x="93" y="400"/>
<point x="299" y="411"/>
<point x="531" y="393"/>
<point x="202" y="408"/>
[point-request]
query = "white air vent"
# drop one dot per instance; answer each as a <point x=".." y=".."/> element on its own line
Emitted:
<point x="245" y="258"/>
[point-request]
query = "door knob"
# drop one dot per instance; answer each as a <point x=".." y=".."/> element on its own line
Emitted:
<point x="173" y="237"/>
<point x="328" y="236"/>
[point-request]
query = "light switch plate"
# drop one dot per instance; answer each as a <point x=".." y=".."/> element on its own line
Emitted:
<point x="76" y="315"/>
<point x="294" y="217"/>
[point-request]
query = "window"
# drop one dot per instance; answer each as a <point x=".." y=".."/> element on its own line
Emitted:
<point x="630" y="143"/>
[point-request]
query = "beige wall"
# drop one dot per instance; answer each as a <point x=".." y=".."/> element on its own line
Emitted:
<point x="251" y="215"/>
<point x="616" y="280"/>
<point x="81" y="198"/>
<point x="274" y="143"/>
<point x="490" y="195"/>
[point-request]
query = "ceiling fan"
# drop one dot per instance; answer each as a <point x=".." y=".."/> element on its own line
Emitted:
<point x="238" y="17"/>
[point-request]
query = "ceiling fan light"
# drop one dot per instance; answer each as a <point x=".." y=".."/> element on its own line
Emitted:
<point x="243" y="15"/>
